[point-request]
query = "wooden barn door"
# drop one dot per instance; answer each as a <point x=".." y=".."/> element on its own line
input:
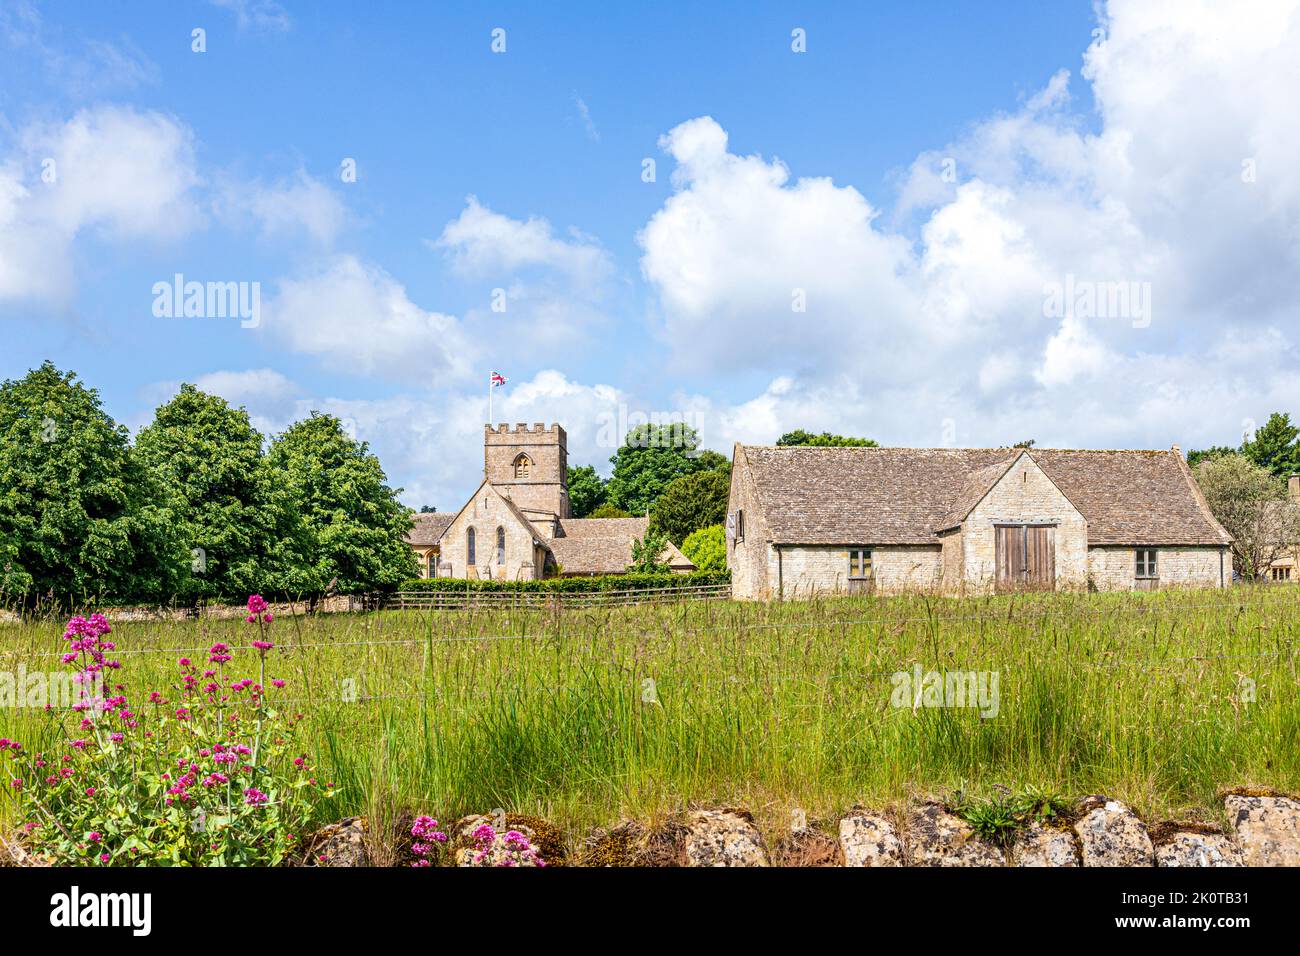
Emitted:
<point x="1026" y="557"/>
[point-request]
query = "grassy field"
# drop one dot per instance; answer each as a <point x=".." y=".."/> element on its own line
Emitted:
<point x="1145" y="697"/>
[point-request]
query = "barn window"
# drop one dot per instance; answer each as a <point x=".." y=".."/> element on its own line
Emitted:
<point x="1146" y="563"/>
<point x="523" y="467"/>
<point x="470" y="558"/>
<point x="740" y="525"/>
<point x="1282" y="574"/>
<point x="859" y="563"/>
<point x="501" y="545"/>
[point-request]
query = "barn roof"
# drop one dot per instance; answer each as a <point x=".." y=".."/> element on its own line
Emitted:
<point x="813" y="495"/>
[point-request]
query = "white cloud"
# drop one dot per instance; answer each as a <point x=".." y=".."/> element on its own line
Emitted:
<point x="114" y="172"/>
<point x="735" y="249"/>
<point x="910" y="327"/>
<point x="357" y="318"/>
<point x="265" y="16"/>
<point x="301" y="206"/>
<point x="242" y="387"/>
<point x="481" y="242"/>
<point x="84" y="69"/>
<point x="588" y="123"/>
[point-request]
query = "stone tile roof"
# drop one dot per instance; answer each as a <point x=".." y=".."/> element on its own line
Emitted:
<point x="604" y="545"/>
<point x="427" y="527"/>
<point x="906" y="495"/>
<point x="1133" y="497"/>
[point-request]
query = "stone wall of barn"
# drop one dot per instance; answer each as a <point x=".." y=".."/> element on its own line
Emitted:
<point x="806" y="570"/>
<point x="1024" y="495"/>
<point x="952" y="560"/>
<point x="1115" y="569"/>
<point x="752" y="560"/>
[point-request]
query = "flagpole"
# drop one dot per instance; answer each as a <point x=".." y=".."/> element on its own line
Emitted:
<point x="490" y="386"/>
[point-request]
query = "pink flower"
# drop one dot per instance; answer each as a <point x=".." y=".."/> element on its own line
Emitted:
<point x="90" y="791"/>
<point x="94" y="836"/>
<point x="104" y="858"/>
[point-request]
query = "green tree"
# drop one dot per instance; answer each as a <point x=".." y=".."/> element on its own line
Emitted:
<point x="1197" y="456"/>
<point x="586" y="490"/>
<point x="709" y="460"/>
<point x="81" y="518"/>
<point x="651" y="456"/>
<point x="689" y="503"/>
<point x="241" y="526"/>
<point x="608" y="511"/>
<point x="355" y="524"/>
<point x="825" y="439"/>
<point x="1275" y="446"/>
<point x="647" y="554"/>
<point x="1251" y="503"/>
<point x="707" y="548"/>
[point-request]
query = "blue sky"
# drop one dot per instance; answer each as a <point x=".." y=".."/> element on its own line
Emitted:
<point x="1103" y="146"/>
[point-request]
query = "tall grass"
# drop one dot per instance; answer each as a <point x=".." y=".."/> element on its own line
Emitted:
<point x="586" y="716"/>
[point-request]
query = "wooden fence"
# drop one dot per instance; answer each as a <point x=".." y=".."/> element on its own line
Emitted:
<point x="474" y="598"/>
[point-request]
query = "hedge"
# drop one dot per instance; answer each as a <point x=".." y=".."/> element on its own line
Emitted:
<point x="605" y="582"/>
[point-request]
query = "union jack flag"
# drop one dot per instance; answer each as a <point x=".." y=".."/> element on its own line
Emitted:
<point x="498" y="379"/>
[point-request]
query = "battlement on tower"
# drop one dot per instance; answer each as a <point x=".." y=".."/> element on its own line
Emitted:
<point x="522" y="428"/>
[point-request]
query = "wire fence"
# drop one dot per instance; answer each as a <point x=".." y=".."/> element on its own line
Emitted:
<point x="1013" y="615"/>
<point x="473" y="599"/>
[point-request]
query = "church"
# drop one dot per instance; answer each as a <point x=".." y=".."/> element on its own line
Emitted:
<point x="518" y="526"/>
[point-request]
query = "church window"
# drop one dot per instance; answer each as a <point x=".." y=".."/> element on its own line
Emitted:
<point x="470" y="557"/>
<point x="501" y="545"/>
<point x="523" y="467"/>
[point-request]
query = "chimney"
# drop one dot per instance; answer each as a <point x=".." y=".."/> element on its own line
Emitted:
<point x="1293" y="488"/>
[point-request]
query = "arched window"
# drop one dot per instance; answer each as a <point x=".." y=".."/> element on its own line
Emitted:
<point x="470" y="558"/>
<point x="501" y="545"/>
<point x="523" y="466"/>
<point x="432" y="557"/>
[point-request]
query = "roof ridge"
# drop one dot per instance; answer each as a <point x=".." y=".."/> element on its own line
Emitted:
<point x="1014" y="448"/>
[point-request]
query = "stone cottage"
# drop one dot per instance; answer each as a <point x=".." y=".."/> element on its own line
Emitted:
<point x="1286" y="566"/>
<point x="805" y="520"/>
<point x="517" y="526"/>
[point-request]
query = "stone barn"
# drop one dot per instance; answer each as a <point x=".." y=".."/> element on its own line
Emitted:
<point x="805" y="520"/>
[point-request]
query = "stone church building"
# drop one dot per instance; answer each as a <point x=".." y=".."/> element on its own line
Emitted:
<point x="806" y="520"/>
<point x="518" y="526"/>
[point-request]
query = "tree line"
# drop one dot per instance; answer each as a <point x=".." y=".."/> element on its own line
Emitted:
<point x="199" y="507"/>
<point x="1246" y="488"/>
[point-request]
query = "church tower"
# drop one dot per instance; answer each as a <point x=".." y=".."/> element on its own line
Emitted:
<point x="530" y="467"/>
